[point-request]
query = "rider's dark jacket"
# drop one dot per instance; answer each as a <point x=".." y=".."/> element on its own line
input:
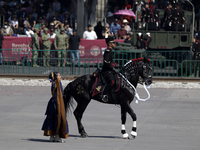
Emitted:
<point x="108" y="60"/>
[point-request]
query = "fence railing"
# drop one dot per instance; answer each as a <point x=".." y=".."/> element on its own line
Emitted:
<point x="164" y="63"/>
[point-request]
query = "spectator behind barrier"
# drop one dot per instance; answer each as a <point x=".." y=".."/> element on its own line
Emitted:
<point x="7" y="30"/>
<point x="89" y="34"/>
<point x="52" y="34"/>
<point x="29" y="32"/>
<point x="127" y="27"/>
<point x="121" y="33"/>
<point x="68" y="30"/>
<point x="98" y="29"/>
<point x="15" y="25"/>
<point x="39" y="23"/>
<point x="114" y="28"/>
<point x="106" y="32"/>
<point x="128" y="39"/>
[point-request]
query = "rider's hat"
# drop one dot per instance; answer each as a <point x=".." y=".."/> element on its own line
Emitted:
<point x="110" y="40"/>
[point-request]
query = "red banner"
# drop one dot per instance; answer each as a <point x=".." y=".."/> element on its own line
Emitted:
<point x="16" y="48"/>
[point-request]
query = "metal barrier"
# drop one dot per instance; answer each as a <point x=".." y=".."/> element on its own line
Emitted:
<point x="167" y="63"/>
<point x="190" y="68"/>
<point x="164" y="63"/>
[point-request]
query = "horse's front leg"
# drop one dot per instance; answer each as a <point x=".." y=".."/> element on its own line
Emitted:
<point x="128" y="108"/>
<point x="133" y="116"/>
<point x="123" y="119"/>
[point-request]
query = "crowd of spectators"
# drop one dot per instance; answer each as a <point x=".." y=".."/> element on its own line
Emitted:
<point x="173" y="16"/>
<point x="22" y="17"/>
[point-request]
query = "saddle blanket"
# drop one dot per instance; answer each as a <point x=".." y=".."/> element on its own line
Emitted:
<point x="99" y="86"/>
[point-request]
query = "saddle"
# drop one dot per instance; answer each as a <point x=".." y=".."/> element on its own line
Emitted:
<point x="100" y="83"/>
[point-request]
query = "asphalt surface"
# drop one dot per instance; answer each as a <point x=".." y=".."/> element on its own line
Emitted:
<point x="170" y="120"/>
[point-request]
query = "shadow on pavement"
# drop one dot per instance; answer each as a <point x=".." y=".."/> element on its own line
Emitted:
<point x="37" y="140"/>
<point x="106" y="137"/>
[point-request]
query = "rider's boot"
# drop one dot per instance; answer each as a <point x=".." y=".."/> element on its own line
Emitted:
<point x="105" y="92"/>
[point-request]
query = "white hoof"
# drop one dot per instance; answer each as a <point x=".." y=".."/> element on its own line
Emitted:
<point x="133" y="134"/>
<point x="125" y="136"/>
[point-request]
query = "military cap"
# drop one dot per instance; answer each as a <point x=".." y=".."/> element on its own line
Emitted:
<point x="62" y="29"/>
<point x="36" y="29"/>
<point x="45" y="29"/>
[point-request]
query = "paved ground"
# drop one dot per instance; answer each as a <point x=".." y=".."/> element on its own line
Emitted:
<point x="168" y="121"/>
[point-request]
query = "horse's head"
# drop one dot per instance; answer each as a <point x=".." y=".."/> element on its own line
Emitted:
<point x="136" y="68"/>
<point x="145" y="71"/>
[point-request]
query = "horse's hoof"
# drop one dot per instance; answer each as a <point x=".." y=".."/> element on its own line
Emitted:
<point x="125" y="136"/>
<point x="84" y="135"/>
<point x="133" y="134"/>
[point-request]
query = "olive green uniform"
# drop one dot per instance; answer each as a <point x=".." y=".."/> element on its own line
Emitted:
<point x="61" y="42"/>
<point x="46" y="46"/>
<point x="35" y="48"/>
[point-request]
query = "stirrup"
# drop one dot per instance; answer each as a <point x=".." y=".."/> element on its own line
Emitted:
<point x="105" y="98"/>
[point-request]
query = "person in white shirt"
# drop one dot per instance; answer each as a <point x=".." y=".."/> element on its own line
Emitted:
<point x="14" y="23"/>
<point x="127" y="27"/>
<point x="29" y="32"/>
<point x="52" y="34"/>
<point x="89" y="34"/>
<point x="68" y="30"/>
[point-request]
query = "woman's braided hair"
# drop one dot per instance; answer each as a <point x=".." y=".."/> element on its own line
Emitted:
<point x="52" y="76"/>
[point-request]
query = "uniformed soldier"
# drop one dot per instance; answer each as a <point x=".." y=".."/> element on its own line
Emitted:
<point x="145" y="42"/>
<point x="179" y="19"/>
<point x="46" y="46"/>
<point x="156" y="19"/>
<point x="148" y="17"/>
<point x="35" y="47"/>
<point x="168" y="17"/>
<point x="108" y="66"/>
<point x="196" y="56"/>
<point x="61" y="44"/>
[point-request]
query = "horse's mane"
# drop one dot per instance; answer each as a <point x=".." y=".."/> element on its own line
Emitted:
<point x="132" y="67"/>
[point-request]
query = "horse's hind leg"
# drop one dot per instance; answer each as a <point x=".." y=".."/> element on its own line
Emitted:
<point x="123" y="119"/>
<point x="78" y="113"/>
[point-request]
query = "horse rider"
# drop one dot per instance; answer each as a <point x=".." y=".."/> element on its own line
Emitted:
<point x="108" y="66"/>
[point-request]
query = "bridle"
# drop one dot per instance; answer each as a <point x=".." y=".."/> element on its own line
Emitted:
<point x="133" y="67"/>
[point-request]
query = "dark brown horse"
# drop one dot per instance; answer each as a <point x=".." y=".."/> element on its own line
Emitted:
<point x="80" y="89"/>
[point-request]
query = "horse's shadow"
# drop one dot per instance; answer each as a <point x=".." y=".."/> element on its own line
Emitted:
<point x="106" y="137"/>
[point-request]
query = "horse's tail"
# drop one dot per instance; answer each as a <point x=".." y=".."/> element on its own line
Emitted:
<point x="67" y="97"/>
